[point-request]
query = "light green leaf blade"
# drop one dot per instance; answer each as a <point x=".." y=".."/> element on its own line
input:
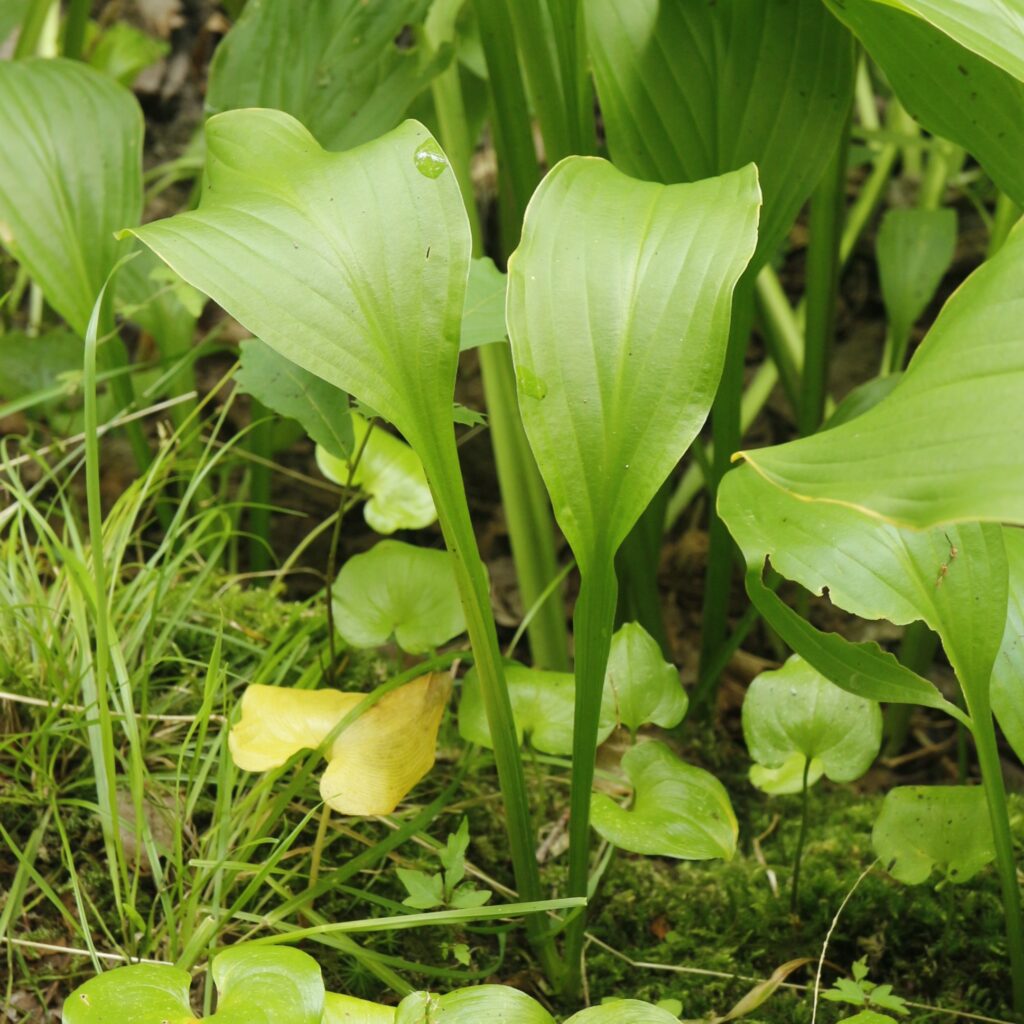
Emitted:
<point x="71" y="177"/>
<point x="944" y="446"/>
<point x="122" y="51"/>
<point x="340" y="1009"/>
<point x="495" y="1003"/>
<point x="542" y="706"/>
<point x="992" y="28"/>
<point x="869" y="1017"/>
<point x="390" y="472"/>
<point x="796" y="710"/>
<point x="425" y="891"/>
<point x="947" y="88"/>
<point x="1007" y="690"/>
<point x="678" y="810"/>
<point x="788" y="777"/>
<point x="921" y="829"/>
<point x="623" y="1011"/>
<point x="353" y="265"/>
<point x="618" y="314"/>
<point x="646" y="688"/>
<point x="288" y="389"/>
<point x="267" y="985"/>
<point x="333" y="64"/>
<point x="692" y="90"/>
<point x="483" y="317"/>
<point x="139" y="994"/>
<point x="914" y="249"/>
<point x="397" y="589"/>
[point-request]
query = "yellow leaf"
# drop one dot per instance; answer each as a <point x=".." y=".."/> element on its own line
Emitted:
<point x="372" y="764"/>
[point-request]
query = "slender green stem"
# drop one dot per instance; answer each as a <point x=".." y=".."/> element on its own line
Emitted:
<point x="261" y="444"/>
<point x="794" y="892"/>
<point x="636" y="565"/>
<point x="1007" y="214"/>
<point x="917" y="652"/>
<point x="32" y="28"/>
<point x="593" y="623"/>
<point x="74" y="28"/>
<point x="995" y="793"/>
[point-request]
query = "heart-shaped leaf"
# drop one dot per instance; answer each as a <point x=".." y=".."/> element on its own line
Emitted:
<point x="691" y="90"/>
<point x="372" y="764"/>
<point x="542" y="705"/>
<point x="334" y="64"/>
<point x="497" y="1003"/>
<point x="955" y="419"/>
<point x="623" y="1011"/>
<point x="340" y="1009"/>
<point x="1008" y="671"/>
<point x="646" y="688"/>
<point x="288" y="389"/>
<point x="921" y="829"/>
<point x="483" y="317"/>
<point x="397" y="589"/>
<point x="390" y="472"/>
<point x="788" y="777"/>
<point x="679" y="810"/>
<point x="139" y="994"/>
<point x="72" y="176"/>
<point x="796" y="710"/>
<point x="618" y="286"/>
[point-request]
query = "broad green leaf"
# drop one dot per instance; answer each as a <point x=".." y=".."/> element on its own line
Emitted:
<point x="291" y="391"/>
<point x="992" y="28"/>
<point x="11" y="14"/>
<point x="138" y="994"/>
<point x="953" y="578"/>
<point x="678" y="810"/>
<point x="914" y="248"/>
<point x="922" y="829"/>
<point x="788" y="777"/>
<point x="401" y="591"/>
<point x="340" y="1009"/>
<point x="71" y="176"/>
<point x="623" y="1011"/>
<point x="353" y="265"/>
<point x="692" y="90"/>
<point x="267" y="985"/>
<point x="390" y="472"/>
<point x="483" y="317"/>
<point x="33" y="365"/>
<point x="1008" y="672"/>
<point x="618" y="313"/>
<point x="869" y="1017"/>
<point x="796" y="710"/>
<point x="335" y="65"/>
<point x="122" y="51"/>
<point x="542" y="705"/>
<point x="863" y="397"/>
<point x="947" y="88"/>
<point x="495" y="1003"/>
<point x="646" y="688"/>
<point x="372" y="764"/>
<point x="944" y="446"/>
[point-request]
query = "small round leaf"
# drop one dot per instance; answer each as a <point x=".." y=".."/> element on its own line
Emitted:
<point x="646" y="687"/>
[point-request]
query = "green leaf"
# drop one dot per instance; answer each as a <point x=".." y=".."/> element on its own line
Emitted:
<point x="618" y="314"/>
<point x="323" y="256"/>
<point x="139" y="994"/>
<point x="788" y="777"/>
<point x="333" y="64"/>
<point x="122" y="51"/>
<point x="869" y="1017"/>
<point x="496" y="1003"/>
<point x="390" y="472"/>
<point x="679" y="810"/>
<point x="925" y="828"/>
<point x="542" y="705"/>
<point x="915" y="248"/>
<point x="796" y="710"/>
<point x="288" y="389"/>
<point x="945" y="445"/>
<point x="622" y="1010"/>
<point x="397" y="589"/>
<point x="950" y="90"/>
<point x="466" y="897"/>
<point x="863" y="397"/>
<point x="483" y="317"/>
<point x="32" y="365"/>
<point x="340" y="1009"/>
<point x="645" y="686"/>
<point x="72" y="176"/>
<point x="425" y="891"/>
<point x="691" y="90"/>
<point x="267" y="985"/>
<point x="1007" y="690"/>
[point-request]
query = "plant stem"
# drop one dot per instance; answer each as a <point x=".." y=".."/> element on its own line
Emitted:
<point x="636" y="565"/>
<point x="262" y="446"/>
<point x="74" y="28"/>
<point x="917" y="652"/>
<point x="1007" y="213"/>
<point x="593" y="622"/>
<point x="995" y="793"/>
<point x="794" y="891"/>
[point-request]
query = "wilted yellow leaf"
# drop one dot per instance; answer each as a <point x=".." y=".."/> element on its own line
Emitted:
<point x="372" y="764"/>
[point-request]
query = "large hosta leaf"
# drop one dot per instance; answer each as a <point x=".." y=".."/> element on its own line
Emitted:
<point x="352" y="265"/>
<point x="951" y="90"/>
<point x="678" y="810"/>
<point x="1008" y="671"/>
<point x="372" y="764"/>
<point x="334" y="64"/>
<point x="944" y="446"/>
<point x="618" y="313"/>
<point x="71" y="176"/>
<point x="691" y="90"/>
<point x="925" y="828"/>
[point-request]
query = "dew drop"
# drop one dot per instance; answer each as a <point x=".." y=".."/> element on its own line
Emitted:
<point x="530" y="384"/>
<point x="429" y="159"/>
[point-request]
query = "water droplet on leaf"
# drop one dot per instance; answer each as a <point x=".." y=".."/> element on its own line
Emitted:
<point x="429" y="159"/>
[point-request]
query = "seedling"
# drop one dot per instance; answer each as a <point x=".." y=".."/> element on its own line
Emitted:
<point x="859" y="991"/>
<point x="447" y="887"/>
